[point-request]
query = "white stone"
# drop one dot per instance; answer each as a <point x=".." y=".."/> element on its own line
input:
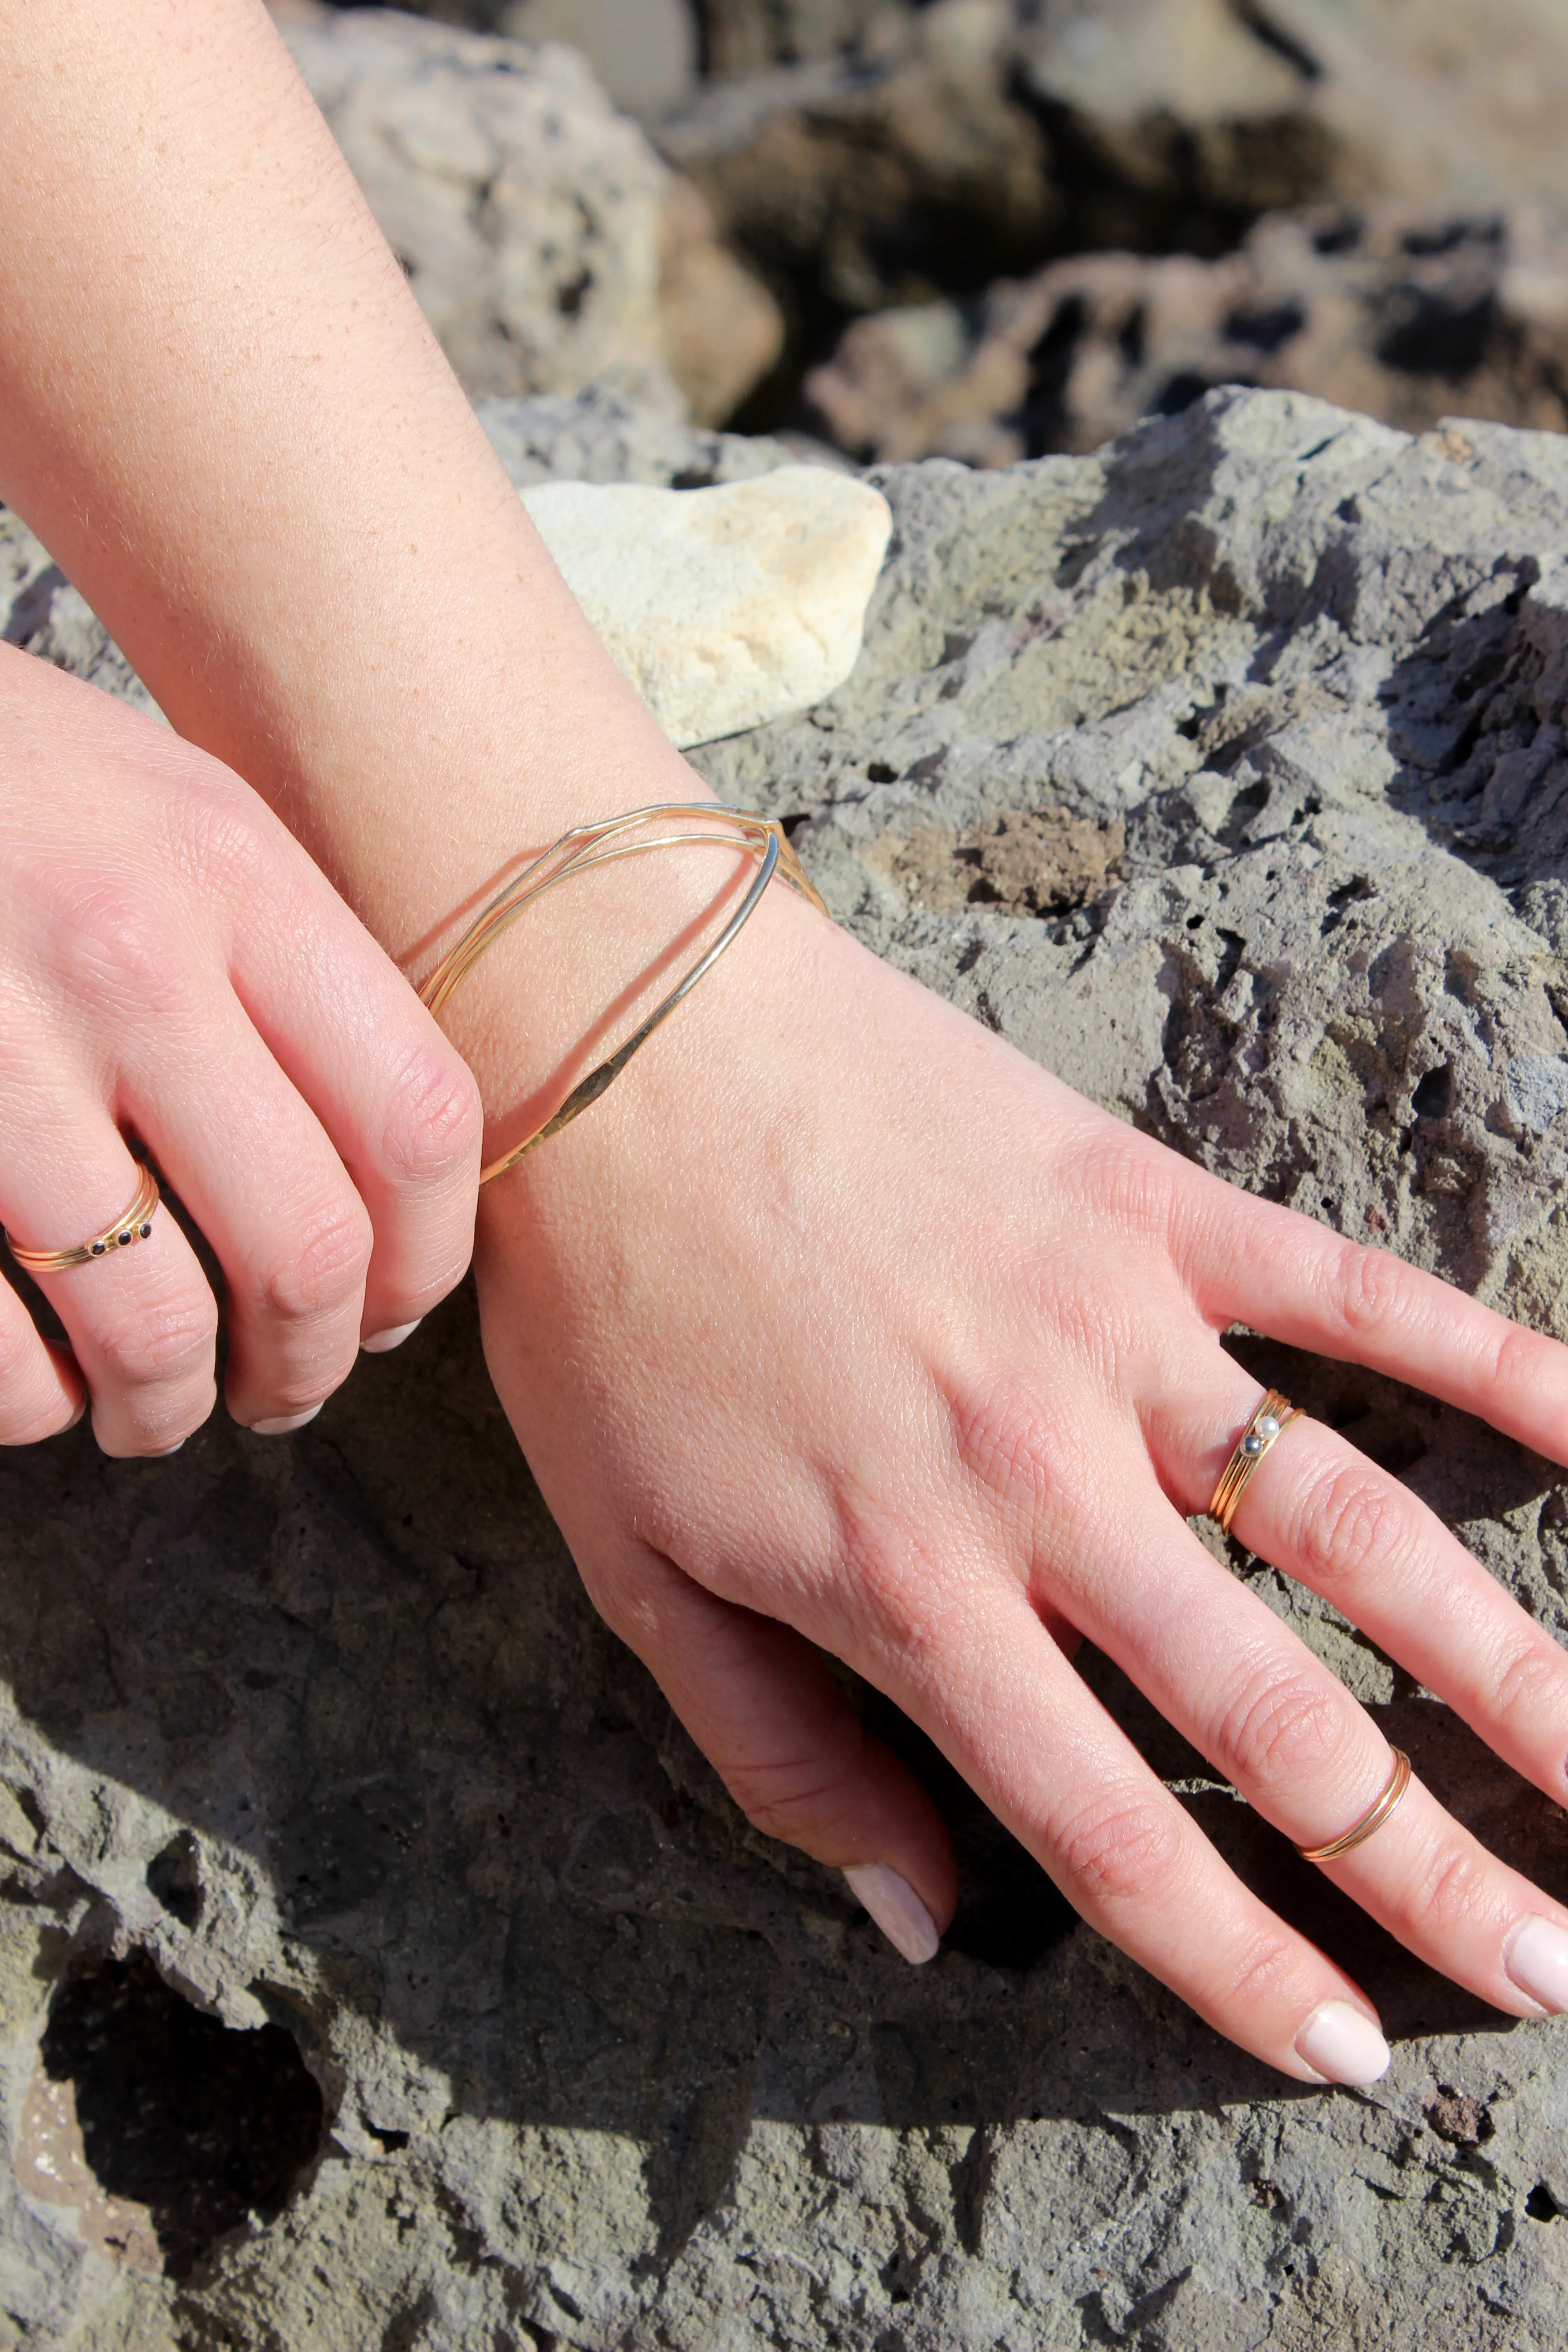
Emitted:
<point x="725" y="607"/>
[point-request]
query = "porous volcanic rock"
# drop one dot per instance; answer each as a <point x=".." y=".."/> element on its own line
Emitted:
<point x="1406" y="312"/>
<point x="546" y="242"/>
<point x="321" y="1735"/>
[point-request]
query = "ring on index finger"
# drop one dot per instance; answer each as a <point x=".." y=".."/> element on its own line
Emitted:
<point x="1273" y="1416"/>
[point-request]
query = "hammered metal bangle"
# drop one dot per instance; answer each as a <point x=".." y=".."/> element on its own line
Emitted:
<point x="1273" y="1416"/>
<point x="133" y="1227"/>
<point x="1372" y="1819"/>
<point x="576" y="853"/>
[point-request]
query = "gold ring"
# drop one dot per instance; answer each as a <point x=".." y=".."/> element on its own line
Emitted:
<point x="133" y="1227"/>
<point x="1372" y="1819"/>
<point x="1274" y="1415"/>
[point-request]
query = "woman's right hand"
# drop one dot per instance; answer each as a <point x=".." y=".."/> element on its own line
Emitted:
<point x="174" y="968"/>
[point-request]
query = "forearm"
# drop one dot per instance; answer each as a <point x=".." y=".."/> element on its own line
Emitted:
<point x="222" y="412"/>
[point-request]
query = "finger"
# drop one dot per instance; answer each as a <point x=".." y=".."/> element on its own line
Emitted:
<point x="992" y="1687"/>
<point x="143" y="1322"/>
<point x="253" y="1165"/>
<point x="41" y="1390"/>
<point x="1250" y="1262"/>
<point x="398" y="1103"/>
<point x="1338" y="1524"/>
<point x="1269" y="1715"/>
<point x="764" y="1707"/>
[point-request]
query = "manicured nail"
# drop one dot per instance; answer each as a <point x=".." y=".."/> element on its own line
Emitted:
<point x="1344" y="2044"/>
<point x="164" y="1450"/>
<point x="1537" y="1960"/>
<point x="897" y="1909"/>
<point x="78" y="1415"/>
<point x="382" y="1343"/>
<point x="283" y="1428"/>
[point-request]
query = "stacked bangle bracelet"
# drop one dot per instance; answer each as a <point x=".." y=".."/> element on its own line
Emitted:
<point x="578" y="852"/>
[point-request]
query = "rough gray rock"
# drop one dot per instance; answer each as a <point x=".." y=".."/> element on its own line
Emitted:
<point x="547" y="244"/>
<point x="1403" y="312"/>
<point x="327" y="1731"/>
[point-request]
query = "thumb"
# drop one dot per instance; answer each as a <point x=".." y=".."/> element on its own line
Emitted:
<point x="766" y="1709"/>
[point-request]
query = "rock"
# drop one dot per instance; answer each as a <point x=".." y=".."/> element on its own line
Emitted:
<point x="325" y="1736"/>
<point x="547" y="244"/>
<point x="1175" y="121"/>
<point x="726" y="607"/>
<point x="644" y="53"/>
<point x="1406" y="313"/>
<point x="855" y="183"/>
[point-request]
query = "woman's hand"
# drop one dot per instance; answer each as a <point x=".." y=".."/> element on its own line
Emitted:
<point x="837" y="1322"/>
<point x="173" y="967"/>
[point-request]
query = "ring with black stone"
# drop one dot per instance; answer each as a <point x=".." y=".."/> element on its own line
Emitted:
<point x="134" y="1224"/>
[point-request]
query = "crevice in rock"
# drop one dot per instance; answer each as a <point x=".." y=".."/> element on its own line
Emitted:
<point x="198" y="2124"/>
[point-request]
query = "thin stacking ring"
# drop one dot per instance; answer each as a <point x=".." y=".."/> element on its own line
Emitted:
<point x="1273" y="1415"/>
<point x="575" y="853"/>
<point x="1372" y="1819"/>
<point x="133" y="1227"/>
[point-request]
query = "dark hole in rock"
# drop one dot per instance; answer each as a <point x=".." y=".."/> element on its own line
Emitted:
<point x="1341" y="236"/>
<point x="198" y="2123"/>
<point x="1541" y="2205"/>
<point x="1180" y="392"/>
<point x="1429" y="335"/>
<point x="879" y="772"/>
<point x="174" y="1877"/>
<point x="1268" y="327"/>
<point x="1434" y="1093"/>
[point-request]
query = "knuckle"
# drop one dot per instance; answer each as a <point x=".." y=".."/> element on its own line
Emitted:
<point x="1350" y="1523"/>
<point x="1456" y="1890"/>
<point x="1279" y="1725"/>
<point x="114" y="937"/>
<point x="1520" y="1362"/>
<point x="164" y="1343"/>
<point x="791" y="1797"/>
<point x="1268" y="1967"/>
<point x="434" y="1121"/>
<point x="323" y="1268"/>
<point x="1371" y="1290"/>
<point x="1528" y="1680"/>
<point x="1118" y="1846"/>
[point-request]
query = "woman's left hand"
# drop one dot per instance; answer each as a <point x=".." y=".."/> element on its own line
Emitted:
<point x="839" y="1323"/>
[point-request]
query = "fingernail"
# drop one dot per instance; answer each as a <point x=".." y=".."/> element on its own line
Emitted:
<point x="283" y="1428"/>
<point x="382" y="1343"/>
<point x="897" y="1909"/>
<point x="1344" y="2044"/>
<point x="164" y="1450"/>
<point x="78" y="1415"/>
<point x="1537" y="1960"/>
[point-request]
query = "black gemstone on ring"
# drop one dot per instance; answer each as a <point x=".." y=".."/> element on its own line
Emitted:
<point x="99" y="1248"/>
<point x="144" y="1231"/>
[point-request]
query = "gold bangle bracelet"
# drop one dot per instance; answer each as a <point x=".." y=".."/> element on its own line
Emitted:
<point x="578" y="852"/>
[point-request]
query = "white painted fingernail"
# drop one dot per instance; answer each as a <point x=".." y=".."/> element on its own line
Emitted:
<point x="1344" y="2044"/>
<point x="382" y="1343"/>
<point x="1537" y="1960"/>
<point x="897" y="1909"/>
<point x="283" y="1428"/>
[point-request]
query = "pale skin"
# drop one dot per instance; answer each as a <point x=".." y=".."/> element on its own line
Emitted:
<point x="837" y="1324"/>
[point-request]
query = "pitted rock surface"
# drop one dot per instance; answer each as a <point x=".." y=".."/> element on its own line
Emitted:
<point x="325" y="1732"/>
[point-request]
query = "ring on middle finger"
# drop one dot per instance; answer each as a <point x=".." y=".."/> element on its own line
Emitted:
<point x="1270" y="1419"/>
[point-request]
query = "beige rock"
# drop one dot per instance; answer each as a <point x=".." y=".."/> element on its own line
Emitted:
<point x="547" y="245"/>
<point x="725" y="607"/>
